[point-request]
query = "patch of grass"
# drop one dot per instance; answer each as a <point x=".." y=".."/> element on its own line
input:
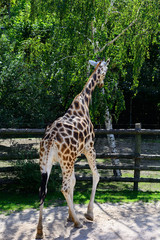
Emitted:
<point x="24" y="194"/>
<point x="105" y="193"/>
<point x="127" y="196"/>
<point x="12" y="201"/>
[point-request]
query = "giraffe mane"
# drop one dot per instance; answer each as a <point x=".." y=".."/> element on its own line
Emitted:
<point x="91" y="75"/>
<point x="88" y="80"/>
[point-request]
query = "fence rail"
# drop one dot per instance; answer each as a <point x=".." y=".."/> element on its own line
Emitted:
<point x="7" y="132"/>
<point x="136" y="156"/>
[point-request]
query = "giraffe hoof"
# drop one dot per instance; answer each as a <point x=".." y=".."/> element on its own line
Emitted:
<point x="89" y="216"/>
<point x="69" y="219"/>
<point x="78" y="225"/>
<point x="39" y="234"/>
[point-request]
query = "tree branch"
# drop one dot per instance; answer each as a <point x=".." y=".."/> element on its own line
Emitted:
<point x="113" y="40"/>
<point x="124" y="30"/>
<point x="69" y="57"/>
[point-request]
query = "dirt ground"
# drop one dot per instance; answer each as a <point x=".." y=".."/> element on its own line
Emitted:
<point x="133" y="221"/>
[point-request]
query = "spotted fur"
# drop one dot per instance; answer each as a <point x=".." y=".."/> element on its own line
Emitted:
<point x="66" y="139"/>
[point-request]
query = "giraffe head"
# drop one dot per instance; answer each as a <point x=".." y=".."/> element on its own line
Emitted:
<point x="101" y="70"/>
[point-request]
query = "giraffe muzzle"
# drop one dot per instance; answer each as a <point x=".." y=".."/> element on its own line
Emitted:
<point x="101" y="85"/>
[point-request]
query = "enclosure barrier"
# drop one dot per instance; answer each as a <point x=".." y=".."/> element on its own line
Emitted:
<point x="137" y="156"/>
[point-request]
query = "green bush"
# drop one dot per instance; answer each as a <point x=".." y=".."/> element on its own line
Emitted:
<point x="29" y="177"/>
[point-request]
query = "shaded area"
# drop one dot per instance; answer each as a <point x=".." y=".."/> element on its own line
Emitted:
<point x="112" y="221"/>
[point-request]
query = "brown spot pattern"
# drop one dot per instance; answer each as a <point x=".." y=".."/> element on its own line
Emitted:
<point x="83" y="109"/>
<point x="81" y="137"/>
<point x="68" y="126"/>
<point x="69" y="112"/>
<point x="67" y="151"/>
<point x="87" y="91"/>
<point x="80" y="114"/>
<point x="73" y="141"/>
<point x="75" y="134"/>
<point x="79" y="126"/>
<point x="86" y="99"/>
<point x="69" y="132"/>
<point x="76" y="103"/>
<point x="58" y="137"/>
<point x="59" y="125"/>
<point x="67" y="141"/>
<point x="63" y="147"/>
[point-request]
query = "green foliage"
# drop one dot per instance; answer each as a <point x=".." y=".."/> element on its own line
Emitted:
<point x="28" y="177"/>
<point x="45" y="47"/>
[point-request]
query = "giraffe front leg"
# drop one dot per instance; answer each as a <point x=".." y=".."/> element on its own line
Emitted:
<point x="91" y="157"/>
<point x="89" y="215"/>
<point x="72" y="185"/>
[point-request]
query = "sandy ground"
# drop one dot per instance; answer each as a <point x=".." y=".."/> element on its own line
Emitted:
<point x="133" y="221"/>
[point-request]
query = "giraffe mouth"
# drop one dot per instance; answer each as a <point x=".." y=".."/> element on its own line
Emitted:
<point x="100" y="85"/>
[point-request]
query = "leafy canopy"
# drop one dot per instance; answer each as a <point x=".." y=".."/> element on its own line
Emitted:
<point x="45" y="47"/>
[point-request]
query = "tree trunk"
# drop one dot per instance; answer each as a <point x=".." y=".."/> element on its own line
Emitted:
<point x="111" y="142"/>
<point x="108" y="119"/>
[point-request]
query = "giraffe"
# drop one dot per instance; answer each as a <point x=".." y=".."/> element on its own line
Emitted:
<point x="67" y="138"/>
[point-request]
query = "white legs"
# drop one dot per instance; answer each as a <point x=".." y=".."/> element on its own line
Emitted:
<point x="39" y="234"/>
<point x="67" y="190"/>
<point x="72" y="185"/>
<point x="91" y="157"/>
<point x="68" y="184"/>
<point x="42" y="193"/>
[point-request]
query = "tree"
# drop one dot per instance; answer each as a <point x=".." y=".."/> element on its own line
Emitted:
<point x="49" y="45"/>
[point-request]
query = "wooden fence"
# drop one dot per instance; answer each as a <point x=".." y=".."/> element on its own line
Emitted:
<point x="137" y="157"/>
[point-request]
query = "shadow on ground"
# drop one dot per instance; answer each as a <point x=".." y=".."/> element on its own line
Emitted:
<point x="112" y="221"/>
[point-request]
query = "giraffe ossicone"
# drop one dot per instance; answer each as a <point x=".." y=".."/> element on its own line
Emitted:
<point x="66" y="139"/>
<point x="94" y="63"/>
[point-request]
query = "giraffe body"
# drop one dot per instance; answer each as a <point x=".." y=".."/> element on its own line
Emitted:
<point x="66" y="139"/>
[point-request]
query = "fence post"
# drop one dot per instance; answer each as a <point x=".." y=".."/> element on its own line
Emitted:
<point x="137" y="154"/>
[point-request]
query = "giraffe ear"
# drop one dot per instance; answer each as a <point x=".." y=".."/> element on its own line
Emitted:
<point x="93" y="63"/>
<point x="108" y="60"/>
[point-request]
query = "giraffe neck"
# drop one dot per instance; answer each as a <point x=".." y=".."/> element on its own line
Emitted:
<point x="80" y="104"/>
<point x="89" y="87"/>
<point x="87" y="91"/>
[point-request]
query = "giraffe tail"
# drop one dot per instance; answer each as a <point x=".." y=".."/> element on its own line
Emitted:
<point x="43" y="188"/>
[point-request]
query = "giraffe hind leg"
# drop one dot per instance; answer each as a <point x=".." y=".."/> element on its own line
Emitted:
<point x="43" y="188"/>
<point x="45" y="166"/>
<point x="42" y="195"/>
<point x="72" y="214"/>
<point x="67" y="190"/>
